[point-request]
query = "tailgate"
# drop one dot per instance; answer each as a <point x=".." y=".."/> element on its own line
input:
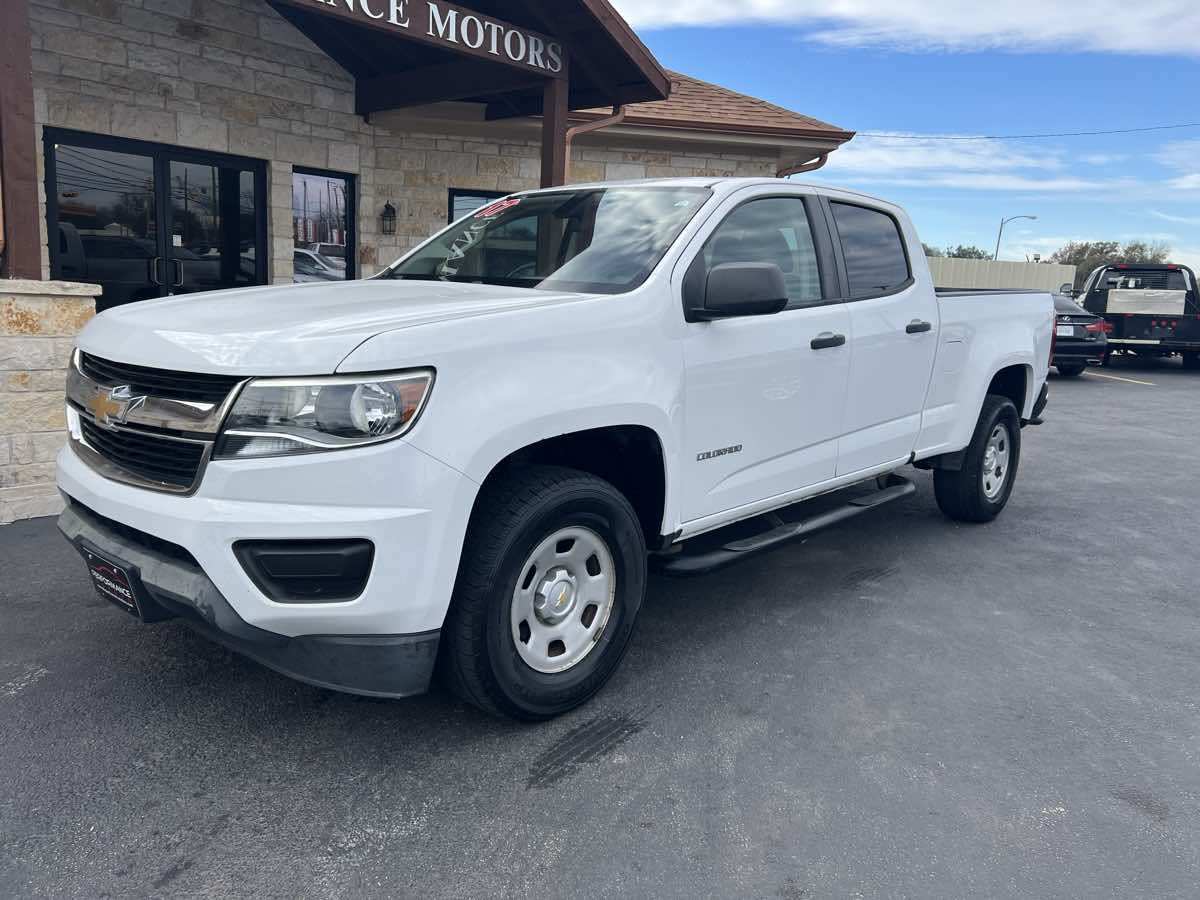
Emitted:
<point x="1146" y="303"/>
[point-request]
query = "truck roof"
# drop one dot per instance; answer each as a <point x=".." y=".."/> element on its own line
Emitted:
<point x="721" y="185"/>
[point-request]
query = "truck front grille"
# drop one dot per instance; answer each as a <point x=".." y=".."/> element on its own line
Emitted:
<point x="158" y="382"/>
<point x="170" y="462"/>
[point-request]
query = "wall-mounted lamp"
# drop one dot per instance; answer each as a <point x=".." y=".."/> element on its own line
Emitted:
<point x="387" y="219"/>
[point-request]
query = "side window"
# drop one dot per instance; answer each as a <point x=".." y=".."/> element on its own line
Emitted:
<point x="874" y="250"/>
<point x="774" y="230"/>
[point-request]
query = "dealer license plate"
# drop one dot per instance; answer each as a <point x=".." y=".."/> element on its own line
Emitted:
<point x="1066" y="331"/>
<point x="112" y="582"/>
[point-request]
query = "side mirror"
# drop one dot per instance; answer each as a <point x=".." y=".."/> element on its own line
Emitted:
<point x="1068" y="288"/>
<point x="743" y="289"/>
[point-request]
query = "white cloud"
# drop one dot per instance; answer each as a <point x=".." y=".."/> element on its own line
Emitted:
<point x="1187" y="256"/>
<point x="1183" y="156"/>
<point x="987" y="181"/>
<point x="903" y="152"/>
<point x="1156" y="27"/>
<point x="982" y="165"/>
<point x="1103" y="159"/>
<point x="1179" y="220"/>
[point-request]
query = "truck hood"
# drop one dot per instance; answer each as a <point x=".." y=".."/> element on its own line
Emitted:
<point x="304" y="329"/>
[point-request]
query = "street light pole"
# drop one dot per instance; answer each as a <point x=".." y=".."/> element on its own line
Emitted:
<point x="1004" y="222"/>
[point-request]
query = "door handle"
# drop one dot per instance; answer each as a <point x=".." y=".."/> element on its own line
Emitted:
<point x="827" y="339"/>
<point x="154" y="270"/>
<point x="916" y="326"/>
<point x="179" y="269"/>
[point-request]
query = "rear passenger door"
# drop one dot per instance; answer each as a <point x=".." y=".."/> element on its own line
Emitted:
<point x="893" y="337"/>
<point x="764" y="394"/>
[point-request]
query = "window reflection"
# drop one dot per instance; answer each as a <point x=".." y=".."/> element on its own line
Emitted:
<point x="322" y="232"/>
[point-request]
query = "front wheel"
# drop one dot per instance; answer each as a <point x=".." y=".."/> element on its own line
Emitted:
<point x="1191" y="361"/>
<point x="1072" y="370"/>
<point x="980" y="489"/>
<point x="551" y="581"/>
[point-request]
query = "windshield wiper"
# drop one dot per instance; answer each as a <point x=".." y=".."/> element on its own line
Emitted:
<point x="412" y="276"/>
<point x="468" y="279"/>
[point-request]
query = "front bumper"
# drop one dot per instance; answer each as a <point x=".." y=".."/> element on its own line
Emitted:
<point x="412" y="508"/>
<point x="398" y="665"/>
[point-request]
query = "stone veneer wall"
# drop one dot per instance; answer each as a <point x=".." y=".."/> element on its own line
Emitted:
<point x="38" y="324"/>
<point x="234" y="76"/>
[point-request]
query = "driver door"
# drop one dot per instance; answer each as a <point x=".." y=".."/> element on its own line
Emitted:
<point x="765" y="394"/>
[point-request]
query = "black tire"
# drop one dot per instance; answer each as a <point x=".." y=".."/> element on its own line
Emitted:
<point x="1191" y="361"/>
<point x="1071" y="370"/>
<point x="478" y="657"/>
<point x="1106" y="358"/>
<point x="961" y="495"/>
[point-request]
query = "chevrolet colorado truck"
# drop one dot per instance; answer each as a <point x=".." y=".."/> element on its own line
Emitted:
<point x="466" y="463"/>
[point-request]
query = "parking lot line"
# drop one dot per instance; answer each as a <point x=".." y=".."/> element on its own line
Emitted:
<point x="1126" y="380"/>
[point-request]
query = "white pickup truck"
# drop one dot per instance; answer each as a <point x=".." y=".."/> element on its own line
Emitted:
<point x="466" y="462"/>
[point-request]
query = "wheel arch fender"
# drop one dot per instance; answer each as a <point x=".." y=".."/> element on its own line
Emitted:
<point x="631" y="446"/>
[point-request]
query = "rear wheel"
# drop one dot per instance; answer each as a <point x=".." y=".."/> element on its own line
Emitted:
<point x="980" y="489"/>
<point x="1071" y="370"/>
<point x="551" y="581"/>
<point x="1191" y="361"/>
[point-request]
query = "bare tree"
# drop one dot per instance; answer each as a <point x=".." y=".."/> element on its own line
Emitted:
<point x="964" y="252"/>
<point x="1087" y="256"/>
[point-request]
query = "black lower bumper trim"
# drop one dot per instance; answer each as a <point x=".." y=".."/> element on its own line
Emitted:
<point x="372" y="665"/>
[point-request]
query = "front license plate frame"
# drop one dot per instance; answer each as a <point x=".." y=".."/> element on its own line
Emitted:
<point x="117" y="582"/>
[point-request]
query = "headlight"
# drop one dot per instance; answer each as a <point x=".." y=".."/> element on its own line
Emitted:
<point x="280" y="416"/>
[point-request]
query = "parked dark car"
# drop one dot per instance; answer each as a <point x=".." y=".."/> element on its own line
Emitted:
<point x="1081" y="337"/>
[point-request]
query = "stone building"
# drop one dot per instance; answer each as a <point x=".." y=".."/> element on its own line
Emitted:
<point x="159" y="147"/>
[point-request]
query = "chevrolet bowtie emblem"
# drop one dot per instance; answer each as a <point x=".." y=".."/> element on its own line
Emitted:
<point x="112" y="406"/>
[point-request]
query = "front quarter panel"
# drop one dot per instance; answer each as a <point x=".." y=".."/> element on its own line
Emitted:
<point x="514" y="379"/>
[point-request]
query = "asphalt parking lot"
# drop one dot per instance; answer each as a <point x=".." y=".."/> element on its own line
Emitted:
<point x="902" y="707"/>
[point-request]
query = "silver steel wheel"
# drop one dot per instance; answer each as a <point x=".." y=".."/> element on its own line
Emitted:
<point x="996" y="458"/>
<point x="563" y="600"/>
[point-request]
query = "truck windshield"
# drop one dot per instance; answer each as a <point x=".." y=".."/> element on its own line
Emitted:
<point x="598" y="240"/>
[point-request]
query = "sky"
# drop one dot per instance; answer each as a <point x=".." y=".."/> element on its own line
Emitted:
<point x="934" y="69"/>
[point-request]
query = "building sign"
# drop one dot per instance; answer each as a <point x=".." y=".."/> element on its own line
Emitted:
<point x="453" y="27"/>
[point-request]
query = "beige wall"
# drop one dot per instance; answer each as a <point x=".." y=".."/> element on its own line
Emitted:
<point x="1002" y="275"/>
<point x="38" y="324"/>
<point x="233" y="76"/>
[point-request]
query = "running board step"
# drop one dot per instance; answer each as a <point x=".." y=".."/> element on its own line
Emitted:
<point x="684" y="564"/>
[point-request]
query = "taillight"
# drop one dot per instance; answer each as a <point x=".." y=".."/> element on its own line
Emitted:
<point x="1100" y="328"/>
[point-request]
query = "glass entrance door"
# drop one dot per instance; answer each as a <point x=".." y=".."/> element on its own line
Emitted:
<point x="212" y="218"/>
<point x="106" y="228"/>
<point x="144" y="220"/>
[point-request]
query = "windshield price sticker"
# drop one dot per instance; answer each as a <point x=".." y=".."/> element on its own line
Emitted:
<point x="498" y="207"/>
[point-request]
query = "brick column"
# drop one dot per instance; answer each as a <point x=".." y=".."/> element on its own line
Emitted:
<point x="38" y="324"/>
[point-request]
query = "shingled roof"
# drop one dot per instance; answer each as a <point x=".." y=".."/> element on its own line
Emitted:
<point x="697" y="105"/>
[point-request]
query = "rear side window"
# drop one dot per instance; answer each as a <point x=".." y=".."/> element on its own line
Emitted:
<point x="1145" y="280"/>
<point x="874" y="250"/>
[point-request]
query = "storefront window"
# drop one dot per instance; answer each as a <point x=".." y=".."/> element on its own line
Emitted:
<point x="465" y="202"/>
<point x="146" y="220"/>
<point x="323" y="226"/>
